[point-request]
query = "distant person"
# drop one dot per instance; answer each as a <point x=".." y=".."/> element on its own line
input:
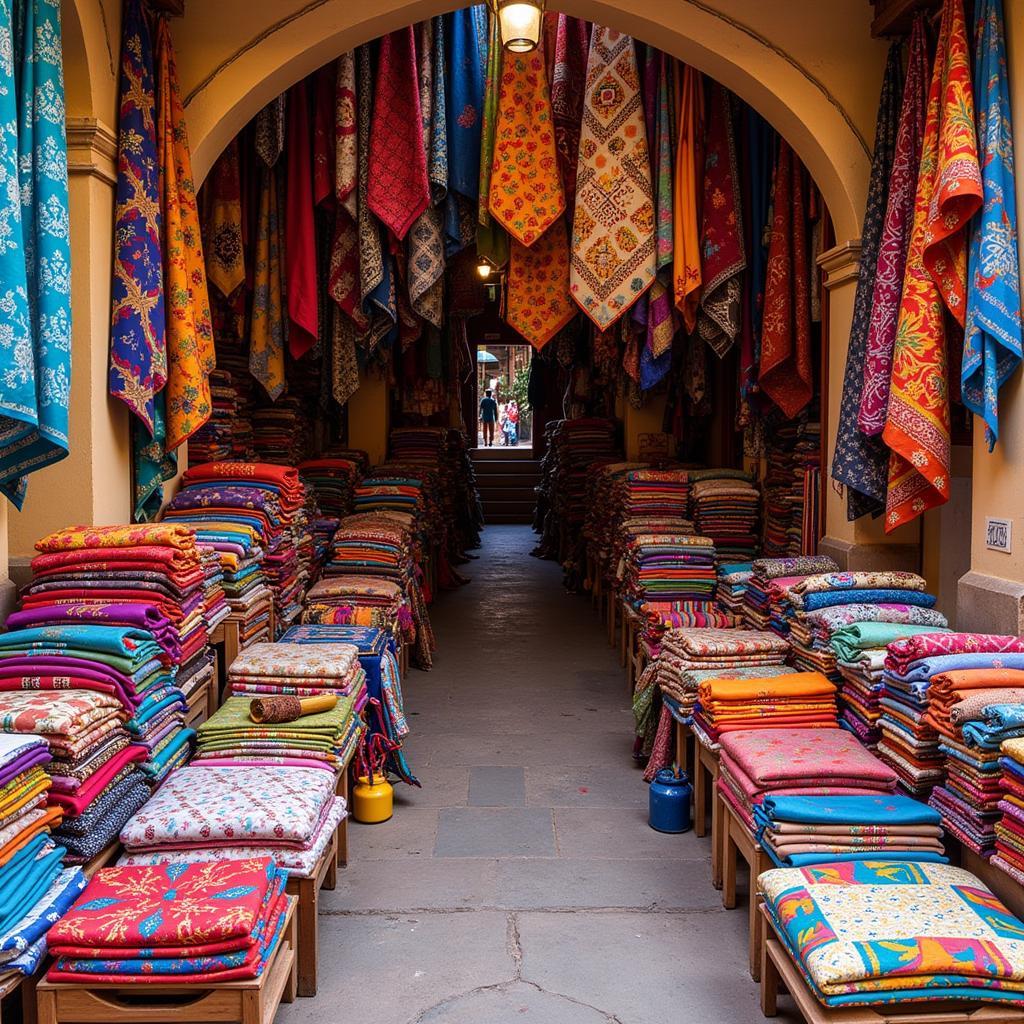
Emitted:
<point x="510" y="427"/>
<point x="488" y="417"/>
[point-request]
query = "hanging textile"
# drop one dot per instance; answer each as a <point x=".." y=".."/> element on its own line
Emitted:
<point x="269" y="131"/>
<point x="949" y="189"/>
<point x="613" y="253"/>
<point x="300" y="231"/>
<point x="892" y="258"/>
<point x="225" y="252"/>
<point x="538" y="304"/>
<point x="723" y="258"/>
<point x="267" y="331"/>
<point x="344" y="362"/>
<point x="569" y="71"/>
<point x="466" y="56"/>
<point x="526" y="191"/>
<point x="688" y="176"/>
<point x="992" y="343"/>
<point x="398" y="188"/>
<point x="857" y="458"/>
<point x="786" y="373"/>
<point x="35" y="264"/>
<point x="491" y="238"/>
<point x="325" y="92"/>
<point x="190" y="351"/>
<point x="346" y="141"/>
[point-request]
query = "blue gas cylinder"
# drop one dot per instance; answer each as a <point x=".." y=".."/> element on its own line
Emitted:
<point x="669" y="802"/>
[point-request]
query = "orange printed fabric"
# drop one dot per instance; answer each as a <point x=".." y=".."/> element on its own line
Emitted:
<point x="190" y="351"/>
<point x="685" y="207"/>
<point x="74" y="538"/>
<point x="949" y="192"/>
<point x="526" y="189"/>
<point x="796" y="684"/>
<point x="539" y="304"/>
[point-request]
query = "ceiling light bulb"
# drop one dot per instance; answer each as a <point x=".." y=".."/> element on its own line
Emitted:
<point x="483" y="268"/>
<point x="520" y="24"/>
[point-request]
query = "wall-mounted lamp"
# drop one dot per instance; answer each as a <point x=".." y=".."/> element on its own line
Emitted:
<point x="483" y="268"/>
<point x="520" y="22"/>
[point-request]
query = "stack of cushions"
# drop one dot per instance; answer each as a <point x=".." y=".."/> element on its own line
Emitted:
<point x="95" y="780"/>
<point x="332" y="480"/>
<point x="867" y="933"/>
<point x="859" y="650"/>
<point x="35" y="887"/>
<point x="378" y="656"/>
<point x="1009" y="845"/>
<point x="168" y="924"/>
<point x="801" y="762"/>
<point x="769" y="580"/>
<point x="725" y="508"/>
<point x="796" y="831"/>
<point x="733" y="579"/>
<point x="910" y="743"/>
<point x="298" y="670"/>
<point x="361" y="601"/>
<point x="209" y="812"/>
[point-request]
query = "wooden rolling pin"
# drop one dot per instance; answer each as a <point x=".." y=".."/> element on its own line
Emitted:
<point x="266" y="710"/>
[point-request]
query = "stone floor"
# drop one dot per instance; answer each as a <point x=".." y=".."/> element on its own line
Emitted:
<point x="522" y="883"/>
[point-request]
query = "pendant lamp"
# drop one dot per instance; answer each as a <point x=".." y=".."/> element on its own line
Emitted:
<point x="520" y="22"/>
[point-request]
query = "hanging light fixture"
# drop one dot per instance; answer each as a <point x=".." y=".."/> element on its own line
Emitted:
<point x="483" y="268"/>
<point x="520" y="22"/>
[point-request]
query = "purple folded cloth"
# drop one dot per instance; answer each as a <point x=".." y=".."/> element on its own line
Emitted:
<point x="25" y="669"/>
<point x="23" y="762"/>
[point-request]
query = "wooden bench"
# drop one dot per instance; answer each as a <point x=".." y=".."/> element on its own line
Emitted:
<point x="307" y="892"/>
<point x="738" y="841"/>
<point x="685" y="743"/>
<point x="341" y="789"/>
<point x="254" y="1001"/>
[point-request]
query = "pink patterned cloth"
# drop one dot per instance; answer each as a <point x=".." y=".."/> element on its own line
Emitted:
<point x="930" y="645"/>
<point x="703" y="643"/>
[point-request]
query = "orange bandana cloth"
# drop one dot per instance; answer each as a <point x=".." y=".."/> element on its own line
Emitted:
<point x="526" y="190"/>
<point x="949" y="192"/>
<point x="786" y="372"/>
<point x="686" y="218"/>
<point x="539" y="304"/>
<point x="613" y="243"/>
<point x="190" y="352"/>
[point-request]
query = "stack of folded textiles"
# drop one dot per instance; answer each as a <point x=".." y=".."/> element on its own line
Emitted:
<point x="769" y="581"/>
<point x="35" y="887"/>
<point x="910" y="742"/>
<point x="796" y="762"/>
<point x="212" y="442"/>
<point x="282" y="432"/>
<point x="725" y="508"/>
<point x="974" y="711"/>
<point x="733" y="580"/>
<point x="95" y="780"/>
<point x="298" y="670"/>
<point x="790" y="503"/>
<point x="603" y="525"/>
<point x="168" y="924"/>
<point x="804" y="700"/>
<point x="893" y="592"/>
<point x="859" y="649"/>
<point x="796" y="831"/>
<point x="920" y="932"/>
<point x="378" y="656"/>
<point x="1009" y="846"/>
<point x="668" y="567"/>
<point x="332" y="480"/>
<point x="661" y="616"/>
<point x="361" y="601"/>
<point x="208" y="812"/>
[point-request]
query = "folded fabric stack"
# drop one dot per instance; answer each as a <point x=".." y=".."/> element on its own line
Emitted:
<point x="796" y="762"/>
<point x="298" y="670"/>
<point x="35" y="887"/>
<point x="603" y="525"/>
<point x="805" y="700"/>
<point x="859" y="649"/>
<point x="661" y="616"/>
<point x="790" y="499"/>
<point x="243" y="811"/>
<point x="378" y="656"/>
<point x="733" y="580"/>
<point x="989" y="711"/>
<point x="1009" y="845"/>
<point x="93" y="768"/>
<point x="332" y="480"/>
<point x="282" y="433"/>
<point x="725" y="508"/>
<point x="361" y="601"/>
<point x="920" y="932"/>
<point x="812" y="648"/>
<point x="910" y="741"/>
<point x="796" y="831"/>
<point x="668" y="567"/>
<point x="169" y="923"/>
<point x="769" y="582"/>
<point x="212" y="442"/>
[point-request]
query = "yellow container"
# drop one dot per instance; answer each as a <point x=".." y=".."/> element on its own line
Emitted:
<point x="372" y="799"/>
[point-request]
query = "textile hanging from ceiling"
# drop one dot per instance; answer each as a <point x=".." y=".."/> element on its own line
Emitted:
<point x="539" y="305"/>
<point x="267" y="331"/>
<point x="225" y="249"/>
<point x="35" y="353"/>
<point x="992" y="342"/>
<point x="269" y="131"/>
<point x="687" y="196"/>
<point x="917" y="426"/>
<point x="855" y="462"/>
<point x="491" y="238"/>
<point x="568" y="72"/>
<point x="299" y="227"/>
<point x="613" y="249"/>
<point x="786" y="371"/>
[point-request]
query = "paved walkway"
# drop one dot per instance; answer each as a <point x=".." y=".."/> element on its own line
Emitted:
<point x="522" y="883"/>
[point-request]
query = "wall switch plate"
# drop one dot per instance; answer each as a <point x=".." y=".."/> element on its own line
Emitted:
<point x="998" y="534"/>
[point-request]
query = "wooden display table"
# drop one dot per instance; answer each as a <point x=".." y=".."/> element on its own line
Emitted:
<point x="632" y="624"/>
<point x="103" y="859"/>
<point x="780" y="973"/>
<point x="341" y="789"/>
<point x="738" y="840"/>
<point x="18" y="998"/>
<point x="253" y="1001"/>
<point x="307" y="892"/>
<point x="204" y="701"/>
<point x="705" y="784"/>
<point x="685" y="742"/>
<point x="229" y="634"/>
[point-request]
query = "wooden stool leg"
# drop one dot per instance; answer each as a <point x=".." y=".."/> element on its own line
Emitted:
<point x="291" y="989"/>
<point x="728" y="870"/>
<point x="251" y="1007"/>
<point x="755" y="920"/>
<point x="46" y="1007"/>
<point x="343" y="843"/>
<point x="306" y="954"/>
<point x="331" y="878"/>
<point x="700" y="798"/>
<point x="717" y="844"/>
<point x="769" y="983"/>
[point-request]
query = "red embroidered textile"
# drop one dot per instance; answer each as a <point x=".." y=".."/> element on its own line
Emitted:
<point x="300" y="232"/>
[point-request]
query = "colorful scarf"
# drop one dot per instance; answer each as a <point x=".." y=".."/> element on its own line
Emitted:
<point x="613" y="247"/>
<point x="992" y="345"/>
<point x="786" y="373"/>
<point x="948" y="194"/>
<point x="225" y="251"/>
<point x="398" y="187"/>
<point x="723" y="258"/>
<point x="892" y="254"/>
<point x="300" y="232"/>
<point x="569" y="69"/>
<point x="269" y="131"/>
<point x="526" y="191"/>
<point x="538" y="304"/>
<point x="190" y="351"/>
<point x="686" y="216"/>
<point x="267" y="329"/>
<point x="491" y="238"/>
<point x="858" y="459"/>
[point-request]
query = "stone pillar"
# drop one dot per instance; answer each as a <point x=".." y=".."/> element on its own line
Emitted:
<point x="863" y="543"/>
